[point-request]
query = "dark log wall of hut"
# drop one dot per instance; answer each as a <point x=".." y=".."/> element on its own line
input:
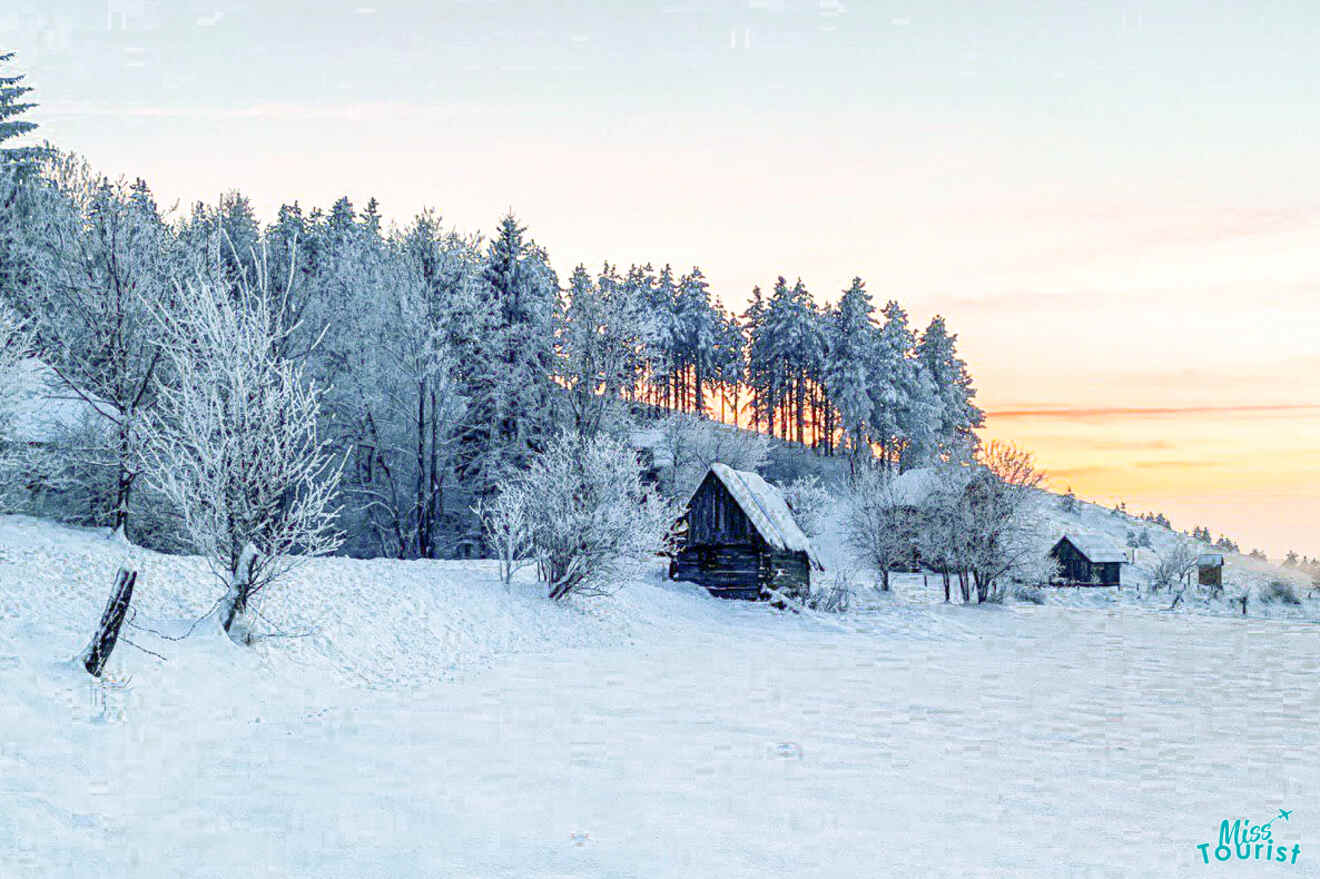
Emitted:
<point x="724" y="552"/>
<point x="1077" y="568"/>
<point x="714" y="517"/>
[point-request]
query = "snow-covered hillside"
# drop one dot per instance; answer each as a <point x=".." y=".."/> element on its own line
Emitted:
<point x="429" y="723"/>
<point x="1242" y="574"/>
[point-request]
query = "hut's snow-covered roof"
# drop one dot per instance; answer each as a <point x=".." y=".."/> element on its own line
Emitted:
<point x="1097" y="548"/>
<point x="766" y="508"/>
<point x="1210" y="560"/>
<point x="41" y="407"/>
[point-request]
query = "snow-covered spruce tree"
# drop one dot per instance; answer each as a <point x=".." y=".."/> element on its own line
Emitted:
<point x="880" y="524"/>
<point x="233" y="442"/>
<point x="593" y="523"/>
<point x="13" y="105"/>
<point x="103" y="259"/>
<point x="850" y="341"/>
<point x="955" y="417"/>
<point x="507" y="369"/>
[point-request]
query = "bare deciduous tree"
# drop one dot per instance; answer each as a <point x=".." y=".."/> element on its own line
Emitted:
<point x="1171" y="563"/>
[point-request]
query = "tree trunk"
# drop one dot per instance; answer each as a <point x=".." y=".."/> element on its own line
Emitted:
<point x="233" y="608"/>
<point x="112" y="619"/>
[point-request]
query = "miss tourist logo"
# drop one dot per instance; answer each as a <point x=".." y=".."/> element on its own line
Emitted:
<point x="1241" y="840"/>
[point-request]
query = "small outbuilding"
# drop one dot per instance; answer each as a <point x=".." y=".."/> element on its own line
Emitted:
<point x="741" y="540"/>
<point x="1210" y="569"/>
<point x="1089" y="560"/>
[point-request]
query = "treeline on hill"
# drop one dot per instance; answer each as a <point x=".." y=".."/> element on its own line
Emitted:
<point x="422" y="367"/>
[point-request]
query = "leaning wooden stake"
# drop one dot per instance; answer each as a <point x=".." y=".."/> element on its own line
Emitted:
<point x="103" y="642"/>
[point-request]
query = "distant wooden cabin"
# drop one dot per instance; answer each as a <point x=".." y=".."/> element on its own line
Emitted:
<point x="1210" y="569"/>
<point x="741" y="539"/>
<point x="1089" y="560"/>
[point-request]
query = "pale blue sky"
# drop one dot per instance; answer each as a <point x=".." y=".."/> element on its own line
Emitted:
<point x="1117" y="204"/>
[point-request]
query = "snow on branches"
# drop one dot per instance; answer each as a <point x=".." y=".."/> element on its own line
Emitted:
<point x="584" y="514"/>
<point x="233" y="443"/>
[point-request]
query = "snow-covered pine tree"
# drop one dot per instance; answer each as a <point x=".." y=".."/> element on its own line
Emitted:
<point x="957" y="416"/>
<point x="696" y="320"/>
<point x="757" y="368"/>
<point x="850" y="342"/>
<point x="893" y="384"/>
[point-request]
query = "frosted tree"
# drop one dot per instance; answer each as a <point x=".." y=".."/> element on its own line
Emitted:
<point x="850" y="342"/>
<point x="955" y="415"/>
<point x="600" y="340"/>
<point x="1000" y="518"/>
<point x="593" y="524"/>
<point x="102" y="262"/>
<point x="508" y="369"/>
<point x="1172" y="561"/>
<point x="691" y="445"/>
<point x="233" y="443"/>
<point x="13" y="104"/>
<point x="15" y="345"/>
<point x="880" y="524"/>
<point x="393" y="313"/>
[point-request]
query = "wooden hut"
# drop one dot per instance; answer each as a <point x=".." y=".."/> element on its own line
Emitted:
<point x="741" y="540"/>
<point x="1089" y="560"/>
<point x="1210" y="569"/>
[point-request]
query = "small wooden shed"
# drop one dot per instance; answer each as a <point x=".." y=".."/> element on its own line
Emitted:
<point x="1210" y="569"/>
<point x="1089" y="560"/>
<point x="741" y="539"/>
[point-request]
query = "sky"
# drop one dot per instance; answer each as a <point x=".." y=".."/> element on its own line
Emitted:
<point x="1116" y="205"/>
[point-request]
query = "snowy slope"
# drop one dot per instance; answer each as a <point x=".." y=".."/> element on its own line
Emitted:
<point x="434" y="726"/>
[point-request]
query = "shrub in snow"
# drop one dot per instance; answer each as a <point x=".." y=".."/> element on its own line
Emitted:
<point x="591" y="521"/>
<point x="1028" y="594"/>
<point x="809" y="501"/>
<point x="1280" y="591"/>
<point x="233" y="443"/>
<point x="835" y="597"/>
<point x="506" y="521"/>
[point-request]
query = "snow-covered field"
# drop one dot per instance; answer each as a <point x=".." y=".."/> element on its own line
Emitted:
<point x="430" y="724"/>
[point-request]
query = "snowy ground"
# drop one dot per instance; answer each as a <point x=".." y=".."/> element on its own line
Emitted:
<point x="437" y="726"/>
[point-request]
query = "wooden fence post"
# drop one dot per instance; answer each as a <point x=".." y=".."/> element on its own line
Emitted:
<point x="112" y="619"/>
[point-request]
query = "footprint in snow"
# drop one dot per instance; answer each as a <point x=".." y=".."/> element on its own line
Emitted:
<point x="580" y="839"/>
<point x="789" y="750"/>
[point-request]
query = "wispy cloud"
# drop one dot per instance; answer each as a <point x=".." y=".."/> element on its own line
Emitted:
<point x="1139" y="411"/>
